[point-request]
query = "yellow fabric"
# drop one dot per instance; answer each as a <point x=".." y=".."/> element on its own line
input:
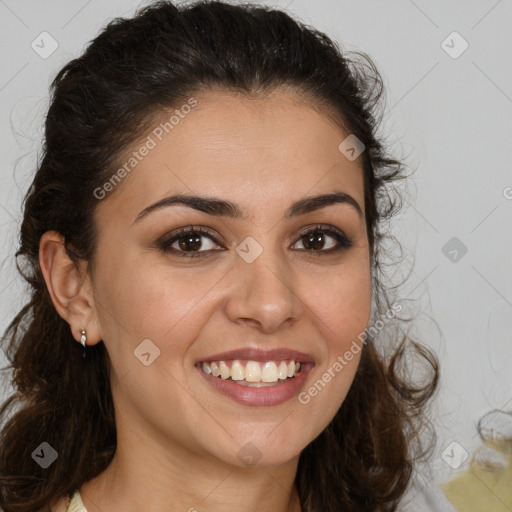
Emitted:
<point x="483" y="487"/>
<point x="76" y="505"/>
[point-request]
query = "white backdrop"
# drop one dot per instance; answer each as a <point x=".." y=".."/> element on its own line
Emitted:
<point x="447" y="69"/>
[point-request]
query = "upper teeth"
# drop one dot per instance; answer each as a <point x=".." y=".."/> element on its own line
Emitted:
<point x="253" y="371"/>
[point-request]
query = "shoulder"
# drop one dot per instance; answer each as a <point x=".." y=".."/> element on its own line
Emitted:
<point x="60" y="504"/>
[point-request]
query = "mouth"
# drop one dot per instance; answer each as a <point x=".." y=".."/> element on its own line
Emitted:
<point x="257" y="378"/>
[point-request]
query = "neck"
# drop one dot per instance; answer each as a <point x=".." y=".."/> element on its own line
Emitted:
<point x="139" y="478"/>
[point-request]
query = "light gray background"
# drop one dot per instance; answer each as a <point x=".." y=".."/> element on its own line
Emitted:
<point x="450" y="118"/>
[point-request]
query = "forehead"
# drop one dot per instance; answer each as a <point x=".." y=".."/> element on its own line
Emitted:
<point x="259" y="152"/>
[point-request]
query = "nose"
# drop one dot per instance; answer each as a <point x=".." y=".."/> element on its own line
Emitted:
<point x="262" y="293"/>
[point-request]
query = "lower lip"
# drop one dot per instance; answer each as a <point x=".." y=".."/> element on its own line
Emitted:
<point x="264" y="396"/>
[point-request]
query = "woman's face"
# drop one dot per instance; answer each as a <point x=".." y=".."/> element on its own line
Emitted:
<point x="255" y="283"/>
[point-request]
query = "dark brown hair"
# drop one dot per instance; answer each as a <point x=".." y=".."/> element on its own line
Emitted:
<point x="100" y="104"/>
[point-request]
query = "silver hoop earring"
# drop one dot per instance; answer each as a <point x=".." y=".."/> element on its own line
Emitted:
<point x="83" y="339"/>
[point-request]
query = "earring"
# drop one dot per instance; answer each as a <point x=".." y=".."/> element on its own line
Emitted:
<point x="83" y="339"/>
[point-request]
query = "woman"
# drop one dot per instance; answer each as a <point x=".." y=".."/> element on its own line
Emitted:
<point x="206" y="221"/>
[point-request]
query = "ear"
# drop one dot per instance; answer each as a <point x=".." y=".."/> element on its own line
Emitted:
<point x="69" y="286"/>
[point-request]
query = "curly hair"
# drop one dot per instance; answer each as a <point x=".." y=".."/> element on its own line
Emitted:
<point x="101" y="102"/>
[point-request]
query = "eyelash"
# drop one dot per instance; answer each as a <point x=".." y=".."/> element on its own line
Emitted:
<point x="165" y="244"/>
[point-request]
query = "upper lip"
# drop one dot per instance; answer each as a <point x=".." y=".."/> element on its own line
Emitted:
<point x="257" y="354"/>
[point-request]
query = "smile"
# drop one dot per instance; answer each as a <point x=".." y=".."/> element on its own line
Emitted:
<point x="256" y="383"/>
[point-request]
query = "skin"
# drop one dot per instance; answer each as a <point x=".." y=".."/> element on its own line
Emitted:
<point x="178" y="438"/>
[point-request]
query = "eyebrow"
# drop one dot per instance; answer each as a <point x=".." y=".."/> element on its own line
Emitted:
<point x="222" y="208"/>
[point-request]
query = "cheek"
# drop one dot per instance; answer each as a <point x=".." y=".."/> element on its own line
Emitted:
<point x="341" y="308"/>
<point x="341" y="301"/>
<point x="149" y="301"/>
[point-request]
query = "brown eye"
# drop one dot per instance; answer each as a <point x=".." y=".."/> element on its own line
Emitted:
<point x="315" y="239"/>
<point x="188" y="242"/>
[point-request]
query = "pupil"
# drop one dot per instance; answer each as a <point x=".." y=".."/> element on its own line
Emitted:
<point x="315" y="240"/>
<point x="190" y="242"/>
